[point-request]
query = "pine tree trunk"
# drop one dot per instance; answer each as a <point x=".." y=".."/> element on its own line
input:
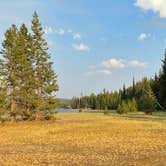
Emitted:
<point x="13" y="106"/>
<point x="37" y="117"/>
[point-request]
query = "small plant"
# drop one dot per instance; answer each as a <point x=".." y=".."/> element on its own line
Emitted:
<point x="26" y="114"/>
<point x="106" y="111"/>
<point x="49" y="115"/>
<point x="4" y="118"/>
<point x="80" y="110"/>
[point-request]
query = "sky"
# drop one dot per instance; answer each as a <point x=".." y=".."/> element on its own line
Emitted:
<point x="96" y="44"/>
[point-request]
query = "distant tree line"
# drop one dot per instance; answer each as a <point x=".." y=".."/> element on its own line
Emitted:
<point x="146" y="95"/>
<point x="27" y="80"/>
<point x="99" y="101"/>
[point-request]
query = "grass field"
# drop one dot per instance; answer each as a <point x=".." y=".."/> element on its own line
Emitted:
<point x="88" y="139"/>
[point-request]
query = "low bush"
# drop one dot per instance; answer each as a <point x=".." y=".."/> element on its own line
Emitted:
<point x="80" y="110"/>
<point x="106" y="111"/>
<point x="4" y="118"/>
<point x="122" y="108"/>
<point x="133" y="105"/>
<point x="127" y="106"/>
<point x="49" y="115"/>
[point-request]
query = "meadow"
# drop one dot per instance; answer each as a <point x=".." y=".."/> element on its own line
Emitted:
<point x="90" y="139"/>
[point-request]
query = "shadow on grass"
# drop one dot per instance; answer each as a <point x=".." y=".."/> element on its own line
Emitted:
<point x="156" y="116"/>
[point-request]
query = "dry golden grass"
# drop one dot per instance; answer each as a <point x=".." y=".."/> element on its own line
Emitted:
<point x="89" y="139"/>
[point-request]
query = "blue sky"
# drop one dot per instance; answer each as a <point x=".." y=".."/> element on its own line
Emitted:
<point x="96" y="44"/>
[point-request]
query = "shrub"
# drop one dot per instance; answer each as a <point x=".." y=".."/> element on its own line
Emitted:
<point x="133" y="105"/>
<point x="80" y="110"/>
<point x="123" y="108"/>
<point x="26" y="114"/>
<point x="5" y="117"/>
<point x="106" y="111"/>
<point x="49" y="115"/>
<point x="127" y="106"/>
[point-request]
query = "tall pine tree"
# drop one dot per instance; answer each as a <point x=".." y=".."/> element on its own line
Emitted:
<point x="162" y="83"/>
<point x="9" y="66"/>
<point x="3" y="97"/>
<point x="133" y="89"/>
<point x="46" y="83"/>
<point x="26" y="71"/>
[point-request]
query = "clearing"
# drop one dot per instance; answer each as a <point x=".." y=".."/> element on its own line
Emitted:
<point x="89" y="139"/>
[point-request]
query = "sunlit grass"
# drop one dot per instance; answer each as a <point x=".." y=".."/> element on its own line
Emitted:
<point x="85" y="139"/>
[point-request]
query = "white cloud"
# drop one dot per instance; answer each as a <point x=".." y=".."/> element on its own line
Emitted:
<point x="98" y="72"/>
<point x="119" y="63"/>
<point x="144" y="36"/>
<point x="77" y="36"/>
<point x="137" y="63"/>
<point x="158" y="6"/>
<point x="48" y="30"/>
<point x="61" y="31"/>
<point x="81" y="47"/>
<point x="113" y="63"/>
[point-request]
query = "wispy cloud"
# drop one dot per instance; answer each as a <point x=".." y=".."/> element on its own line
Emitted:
<point x="98" y="72"/>
<point x="48" y="30"/>
<point x="113" y="63"/>
<point x="120" y="63"/>
<point x="77" y="36"/>
<point x="143" y="36"/>
<point x="137" y="63"/>
<point x="80" y="47"/>
<point x="61" y="31"/>
<point x="154" y="5"/>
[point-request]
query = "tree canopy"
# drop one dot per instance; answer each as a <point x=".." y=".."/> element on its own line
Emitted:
<point x="28" y="81"/>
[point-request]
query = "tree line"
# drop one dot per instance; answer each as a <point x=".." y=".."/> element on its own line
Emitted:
<point x="27" y="80"/>
<point x="146" y="95"/>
